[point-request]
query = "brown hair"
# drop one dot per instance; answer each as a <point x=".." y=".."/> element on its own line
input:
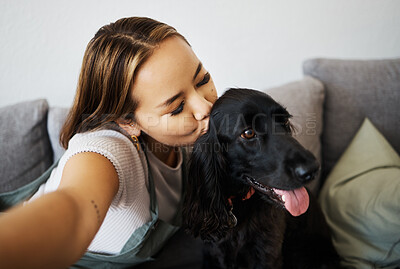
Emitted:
<point x="111" y="60"/>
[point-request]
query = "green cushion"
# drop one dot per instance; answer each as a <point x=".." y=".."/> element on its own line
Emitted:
<point x="361" y="201"/>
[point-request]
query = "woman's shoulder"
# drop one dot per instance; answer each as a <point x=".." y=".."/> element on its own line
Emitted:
<point x="112" y="144"/>
<point x="129" y="164"/>
<point x="99" y="138"/>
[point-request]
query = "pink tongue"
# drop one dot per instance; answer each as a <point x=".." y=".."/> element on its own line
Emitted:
<point x="296" y="201"/>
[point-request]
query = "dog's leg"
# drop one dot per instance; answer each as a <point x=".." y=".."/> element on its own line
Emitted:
<point x="210" y="258"/>
<point x="269" y="250"/>
<point x="215" y="255"/>
<point x="261" y="237"/>
<point x="308" y="241"/>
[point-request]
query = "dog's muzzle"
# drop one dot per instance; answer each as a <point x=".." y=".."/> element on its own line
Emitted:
<point x="295" y="201"/>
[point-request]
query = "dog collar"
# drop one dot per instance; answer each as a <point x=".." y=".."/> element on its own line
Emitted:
<point x="248" y="196"/>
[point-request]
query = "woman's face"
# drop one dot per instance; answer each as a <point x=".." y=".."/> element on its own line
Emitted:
<point x="175" y="94"/>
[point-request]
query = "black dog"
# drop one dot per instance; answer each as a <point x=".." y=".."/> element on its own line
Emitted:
<point x="246" y="194"/>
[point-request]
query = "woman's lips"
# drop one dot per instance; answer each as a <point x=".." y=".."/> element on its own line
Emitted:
<point x="202" y="129"/>
<point x="198" y="130"/>
<point x="191" y="132"/>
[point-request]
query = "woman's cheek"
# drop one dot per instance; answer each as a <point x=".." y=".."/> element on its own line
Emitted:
<point x="213" y="92"/>
<point x="189" y="123"/>
<point x="176" y="125"/>
<point x="214" y="98"/>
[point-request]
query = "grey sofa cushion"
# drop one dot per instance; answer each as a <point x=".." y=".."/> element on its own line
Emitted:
<point x="25" y="150"/>
<point x="355" y="89"/>
<point x="55" y="121"/>
<point x="304" y="100"/>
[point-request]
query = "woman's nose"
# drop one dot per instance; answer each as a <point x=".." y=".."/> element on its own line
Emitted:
<point x="200" y="116"/>
<point x="201" y="108"/>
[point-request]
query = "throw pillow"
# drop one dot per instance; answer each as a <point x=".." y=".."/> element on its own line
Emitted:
<point x="361" y="202"/>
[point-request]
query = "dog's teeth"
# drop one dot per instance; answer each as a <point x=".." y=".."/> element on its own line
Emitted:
<point x="283" y="198"/>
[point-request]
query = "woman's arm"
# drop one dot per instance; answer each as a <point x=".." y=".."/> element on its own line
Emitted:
<point x="55" y="230"/>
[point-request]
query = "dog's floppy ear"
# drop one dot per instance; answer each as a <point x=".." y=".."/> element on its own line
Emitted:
<point x="205" y="212"/>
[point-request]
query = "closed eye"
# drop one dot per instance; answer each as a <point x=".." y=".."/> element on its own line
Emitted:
<point x="179" y="109"/>
<point x="204" y="81"/>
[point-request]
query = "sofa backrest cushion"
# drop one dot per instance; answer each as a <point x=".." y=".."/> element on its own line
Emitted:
<point x="55" y="121"/>
<point x="354" y="90"/>
<point x="25" y="150"/>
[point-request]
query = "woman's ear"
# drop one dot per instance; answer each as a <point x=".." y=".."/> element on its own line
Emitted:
<point x="205" y="211"/>
<point x="129" y="126"/>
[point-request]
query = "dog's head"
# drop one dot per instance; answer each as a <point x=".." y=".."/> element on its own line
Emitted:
<point x="248" y="146"/>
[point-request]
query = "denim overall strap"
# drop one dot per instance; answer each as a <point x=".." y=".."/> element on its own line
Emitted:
<point x="11" y="198"/>
<point x="145" y="241"/>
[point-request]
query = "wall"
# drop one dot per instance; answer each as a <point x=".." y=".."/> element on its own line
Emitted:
<point x="255" y="44"/>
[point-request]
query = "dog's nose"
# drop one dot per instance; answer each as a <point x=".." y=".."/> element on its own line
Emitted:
<point x="306" y="173"/>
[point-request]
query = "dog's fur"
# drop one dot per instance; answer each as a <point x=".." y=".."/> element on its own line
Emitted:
<point x="223" y="161"/>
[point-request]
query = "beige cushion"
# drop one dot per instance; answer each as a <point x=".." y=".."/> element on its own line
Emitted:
<point x="304" y="100"/>
<point x="361" y="202"/>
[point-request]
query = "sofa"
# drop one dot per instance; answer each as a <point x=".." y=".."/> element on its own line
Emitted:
<point x="329" y="105"/>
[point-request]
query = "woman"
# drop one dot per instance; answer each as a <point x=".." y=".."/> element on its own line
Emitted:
<point x="113" y="199"/>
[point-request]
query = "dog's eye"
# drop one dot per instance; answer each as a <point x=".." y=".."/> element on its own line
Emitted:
<point x="248" y="134"/>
